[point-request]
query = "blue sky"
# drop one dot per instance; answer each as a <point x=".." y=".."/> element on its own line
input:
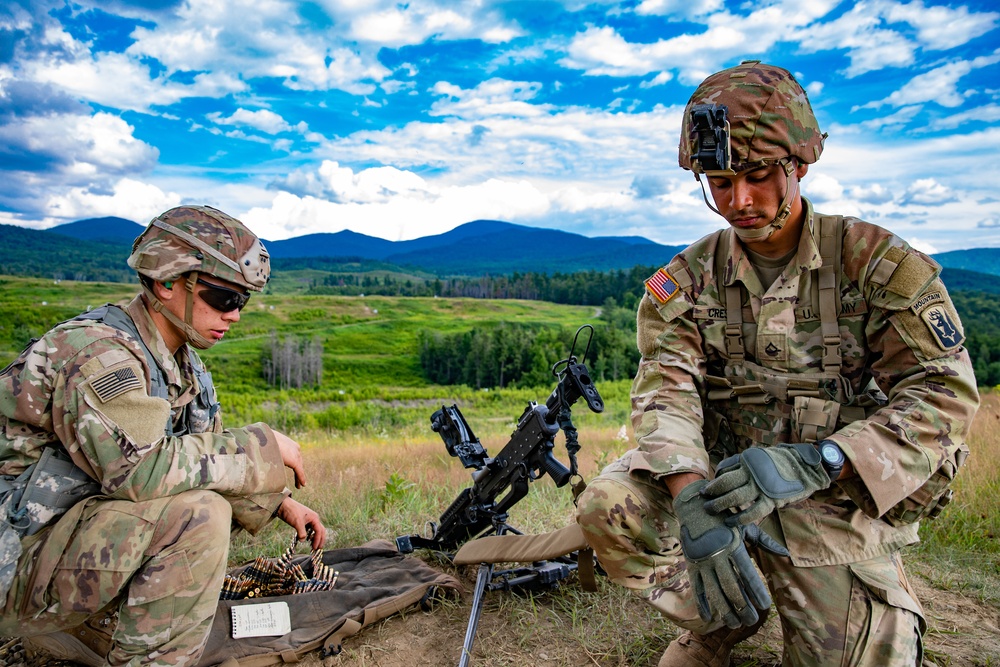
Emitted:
<point x="404" y="119"/>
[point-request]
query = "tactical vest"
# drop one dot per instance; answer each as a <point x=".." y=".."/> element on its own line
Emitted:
<point x="749" y="404"/>
<point x="195" y="417"/>
<point x="53" y="484"/>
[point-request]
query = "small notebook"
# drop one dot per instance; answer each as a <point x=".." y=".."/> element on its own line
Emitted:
<point x="261" y="620"/>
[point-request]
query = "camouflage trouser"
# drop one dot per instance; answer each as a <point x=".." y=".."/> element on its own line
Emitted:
<point x="164" y="559"/>
<point x="860" y="614"/>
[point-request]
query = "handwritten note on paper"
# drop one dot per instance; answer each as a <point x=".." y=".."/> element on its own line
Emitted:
<point x="261" y="620"/>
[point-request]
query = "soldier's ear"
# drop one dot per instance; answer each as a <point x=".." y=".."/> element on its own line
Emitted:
<point x="163" y="290"/>
<point x="801" y="169"/>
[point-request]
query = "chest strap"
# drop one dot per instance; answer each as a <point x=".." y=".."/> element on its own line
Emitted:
<point x="826" y="288"/>
<point x="825" y="292"/>
<point x="729" y="294"/>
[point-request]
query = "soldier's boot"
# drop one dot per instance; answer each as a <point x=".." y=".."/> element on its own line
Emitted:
<point x="88" y="643"/>
<point x="711" y="650"/>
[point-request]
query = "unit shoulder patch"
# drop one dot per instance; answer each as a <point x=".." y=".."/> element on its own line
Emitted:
<point x="662" y="286"/>
<point x="926" y="300"/>
<point x="941" y="325"/>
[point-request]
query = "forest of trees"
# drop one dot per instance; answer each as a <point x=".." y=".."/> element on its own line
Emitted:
<point x="512" y="354"/>
<point x="290" y="362"/>
<point x="981" y="320"/>
<point x="588" y="288"/>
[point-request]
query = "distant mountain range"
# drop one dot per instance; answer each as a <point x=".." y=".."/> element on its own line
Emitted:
<point x="473" y="249"/>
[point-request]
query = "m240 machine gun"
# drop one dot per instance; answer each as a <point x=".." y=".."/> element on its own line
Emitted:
<point x="501" y="481"/>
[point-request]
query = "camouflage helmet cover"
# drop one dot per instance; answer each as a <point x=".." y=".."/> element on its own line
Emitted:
<point x="769" y="115"/>
<point x="202" y="239"/>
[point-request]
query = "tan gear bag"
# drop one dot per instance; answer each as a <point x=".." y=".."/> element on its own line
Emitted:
<point x="375" y="582"/>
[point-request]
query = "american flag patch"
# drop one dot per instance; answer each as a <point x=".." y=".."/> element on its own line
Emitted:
<point x="115" y="383"/>
<point x="662" y="285"/>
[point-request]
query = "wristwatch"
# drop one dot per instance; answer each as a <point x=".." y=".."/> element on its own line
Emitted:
<point x="833" y="458"/>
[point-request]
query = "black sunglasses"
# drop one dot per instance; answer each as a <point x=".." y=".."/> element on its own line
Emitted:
<point x="222" y="299"/>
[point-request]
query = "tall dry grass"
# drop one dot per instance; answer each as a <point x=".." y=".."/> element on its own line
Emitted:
<point x="960" y="550"/>
<point x="381" y="486"/>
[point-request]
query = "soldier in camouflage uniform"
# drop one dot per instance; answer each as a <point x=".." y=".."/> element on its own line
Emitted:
<point x="802" y="378"/>
<point x="120" y="485"/>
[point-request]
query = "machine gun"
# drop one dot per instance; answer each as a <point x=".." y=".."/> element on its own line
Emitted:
<point x="501" y="481"/>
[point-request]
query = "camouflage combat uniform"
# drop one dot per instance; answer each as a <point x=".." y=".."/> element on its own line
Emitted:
<point x="158" y="533"/>
<point x="842" y="596"/>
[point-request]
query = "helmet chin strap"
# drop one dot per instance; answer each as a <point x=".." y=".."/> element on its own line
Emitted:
<point x="186" y="325"/>
<point x="784" y="211"/>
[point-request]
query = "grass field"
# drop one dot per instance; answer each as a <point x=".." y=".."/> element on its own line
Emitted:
<point x="381" y="487"/>
<point x="376" y="470"/>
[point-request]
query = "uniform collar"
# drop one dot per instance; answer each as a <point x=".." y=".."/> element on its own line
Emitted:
<point x="806" y="258"/>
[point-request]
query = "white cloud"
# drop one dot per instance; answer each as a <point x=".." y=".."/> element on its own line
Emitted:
<point x="940" y="27"/>
<point x="134" y="88"/>
<point x="263" y="119"/>
<point x="875" y="193"/>
<point x="928" y="192"/>
<point x="93" y="147"/>
<point x="727" y="36"/>
<point x="414" y="23"/>
<point x="658" y="80"/>
<point x="923" y="246"/>
<point x="678" y="8"/>
<point x="824" y="188"/>
<point x="417" y="211"/>
<point x="938" y="85"/>
<point x="987" y="113"/>
<point x="895" y="120"/>
<point x="130" y="199"/>
<point x="494" y="97"/>
<point x="869" y="46"/>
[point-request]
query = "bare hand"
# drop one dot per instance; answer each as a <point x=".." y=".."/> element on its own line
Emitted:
<point x="301" y="518"/>
<point x="291" y="456"/>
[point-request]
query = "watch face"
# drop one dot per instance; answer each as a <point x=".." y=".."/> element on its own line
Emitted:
<point x="832" y="454"/>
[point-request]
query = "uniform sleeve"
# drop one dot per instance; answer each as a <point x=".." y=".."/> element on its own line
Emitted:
<point x="103" y="414"/>
<point x="919" y="362"/>
<point x="667" y="413"/>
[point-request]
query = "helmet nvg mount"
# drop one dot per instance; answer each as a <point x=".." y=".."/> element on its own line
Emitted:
<point x="192" y="240"/>
<point x="745" y="117"/>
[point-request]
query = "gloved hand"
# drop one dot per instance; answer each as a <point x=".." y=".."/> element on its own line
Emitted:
<point x="765" y="478"/>
<point x="723" y="577"/>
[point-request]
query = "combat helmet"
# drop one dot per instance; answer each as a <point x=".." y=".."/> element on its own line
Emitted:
<point x="198" y="240"/>
<point x="748" y="116"/>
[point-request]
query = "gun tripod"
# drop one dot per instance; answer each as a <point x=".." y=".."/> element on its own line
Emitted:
<point x="542" y="575"/>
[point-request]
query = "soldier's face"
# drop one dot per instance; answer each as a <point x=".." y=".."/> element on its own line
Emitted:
<point x="206" y="320"/>
<point x="750" y="199"/>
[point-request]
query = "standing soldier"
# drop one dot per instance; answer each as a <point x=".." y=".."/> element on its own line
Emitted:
<point x="813" y="366"/>
<point x="119" y="484"/>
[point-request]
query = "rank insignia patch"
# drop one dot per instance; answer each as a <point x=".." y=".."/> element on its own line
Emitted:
<point x="942" y="327"/>
<point x="115" y="383"/>
<point x="662" y="286"/>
